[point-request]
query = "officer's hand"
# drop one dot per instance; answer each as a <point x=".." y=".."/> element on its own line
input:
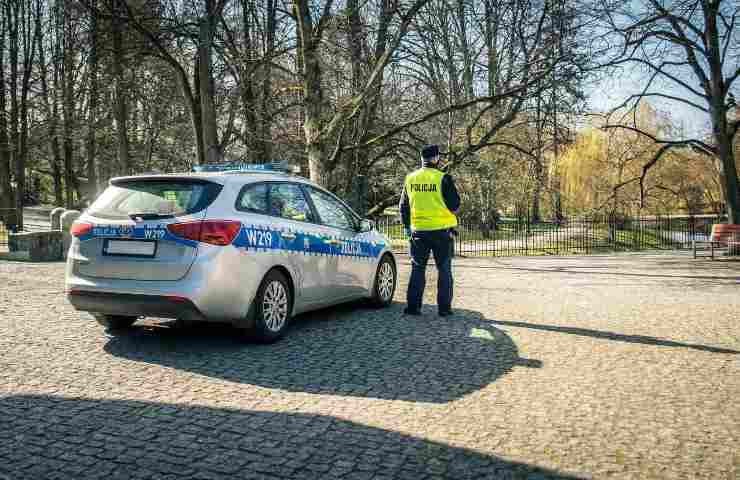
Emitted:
<point x="407" y="231"/>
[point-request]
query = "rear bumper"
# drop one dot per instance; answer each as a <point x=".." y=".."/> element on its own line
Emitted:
<point x="170" y="306"/>
<point x="220" y="286"/>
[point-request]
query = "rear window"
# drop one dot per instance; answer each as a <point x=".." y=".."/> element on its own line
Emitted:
<point x="154" y="199"/>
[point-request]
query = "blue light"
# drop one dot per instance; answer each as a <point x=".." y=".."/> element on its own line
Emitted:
<point x="241" y="167"/>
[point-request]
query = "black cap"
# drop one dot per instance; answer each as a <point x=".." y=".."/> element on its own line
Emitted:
<point x="429" y="151"/>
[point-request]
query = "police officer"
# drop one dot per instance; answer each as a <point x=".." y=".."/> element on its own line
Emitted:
<point x="428" y="205"/>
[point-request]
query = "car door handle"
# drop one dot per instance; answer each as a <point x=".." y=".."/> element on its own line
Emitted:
<point x="288" y="236"/>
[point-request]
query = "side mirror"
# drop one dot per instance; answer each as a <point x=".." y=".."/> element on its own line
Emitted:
<point x="366" y="225"/>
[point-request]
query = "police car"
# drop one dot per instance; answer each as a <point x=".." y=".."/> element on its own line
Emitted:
<point x="246" y="244"/>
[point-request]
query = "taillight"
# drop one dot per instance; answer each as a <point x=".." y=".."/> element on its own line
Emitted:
<point x="215" y="232"/>
<point x="176" y="298"/>
<point x="80" y="229"/>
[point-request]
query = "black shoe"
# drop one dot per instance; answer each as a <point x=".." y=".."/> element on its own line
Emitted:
<point x="445" y="313"/>
<point x="408" y="311"/>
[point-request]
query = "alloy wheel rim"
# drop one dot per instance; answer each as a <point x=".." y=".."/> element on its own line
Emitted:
<point x="275" y="306"/>
<point x="386" y="280"/>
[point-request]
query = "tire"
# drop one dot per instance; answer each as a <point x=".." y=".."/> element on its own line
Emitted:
<point x="272" y="308"/>
<point x="385" y="283"/>
<point x="114" y="322"/>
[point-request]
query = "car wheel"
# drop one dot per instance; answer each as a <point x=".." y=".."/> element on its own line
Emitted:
<point x="114" y="322"/>
<point x="273" y="304"/>
<point x="385" y="282"/>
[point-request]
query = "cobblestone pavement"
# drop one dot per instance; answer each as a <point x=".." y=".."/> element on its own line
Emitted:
<point x="560" y="367"/>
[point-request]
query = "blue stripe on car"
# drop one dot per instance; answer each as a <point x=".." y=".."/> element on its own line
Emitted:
<point x="138" y="232"/>
<point x="250" y="238"/>
<point x="259" y="238"/>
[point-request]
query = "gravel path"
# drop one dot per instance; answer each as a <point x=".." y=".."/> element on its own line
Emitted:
<point x="560" y="367"/>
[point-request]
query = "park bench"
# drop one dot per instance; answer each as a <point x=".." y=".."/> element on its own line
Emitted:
<point x="724" y="236"/>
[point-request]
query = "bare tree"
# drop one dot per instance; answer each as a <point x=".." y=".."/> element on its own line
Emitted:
<point x="249" y="54"/>
<point x="49" y="108"/>
<point x="92" y="115"/>
<point x="118" y="9"/>
<point x="321" y="126"/>
<point x="689" y="50"/>
<point x="525" y="55"/>
<point x="19" y="18"/>
<point x="12" y="16"/>
<point x="195" y="77"/>
<point x="6" y="190"/>
<point x="67" y="29"/>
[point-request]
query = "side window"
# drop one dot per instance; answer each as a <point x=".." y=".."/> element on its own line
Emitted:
<point x="253" y="198"/>
<point x="332" y="212"/>
<point x="287" y="201"/>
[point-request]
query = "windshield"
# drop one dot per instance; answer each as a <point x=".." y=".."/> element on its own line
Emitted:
<point x="154" y="199"/>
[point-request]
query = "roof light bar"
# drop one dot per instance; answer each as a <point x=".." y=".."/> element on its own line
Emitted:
<point x="243" y="167"/>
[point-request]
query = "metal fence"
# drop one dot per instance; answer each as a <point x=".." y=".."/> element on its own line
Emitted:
<point x="577" y="236"/>
<point x="522" y="237"/>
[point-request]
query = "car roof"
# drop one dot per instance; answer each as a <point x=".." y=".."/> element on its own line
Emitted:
<point x="219" y="177"/>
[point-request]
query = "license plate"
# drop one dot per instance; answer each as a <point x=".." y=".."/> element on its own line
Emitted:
<point x="131" y="248"/>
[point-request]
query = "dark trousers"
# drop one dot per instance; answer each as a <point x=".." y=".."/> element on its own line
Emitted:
<point x="439" y="242"/>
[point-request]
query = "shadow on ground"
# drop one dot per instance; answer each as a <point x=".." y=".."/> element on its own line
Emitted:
<point x="347" y="350"/>
<point x="52" y="437"/>
<point x="617" y="337"/>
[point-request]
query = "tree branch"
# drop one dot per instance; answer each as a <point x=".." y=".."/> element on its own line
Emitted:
<point x="508" y="145"/>
<point x="436" y="113"/>
<point x="377" y="209"/>
<point x="661" y="95"/>
<point x="697" y="145"/>
<point x="662" y="72"/>
<point x="356" y="103"/>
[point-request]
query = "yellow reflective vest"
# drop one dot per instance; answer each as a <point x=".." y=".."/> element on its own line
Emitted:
<point x="427" y="205"/>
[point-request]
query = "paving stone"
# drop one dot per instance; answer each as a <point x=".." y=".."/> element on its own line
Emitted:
<point x="620" y="366"/>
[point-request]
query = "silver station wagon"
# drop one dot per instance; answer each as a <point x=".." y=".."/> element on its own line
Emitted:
<point x="244" y="244"/>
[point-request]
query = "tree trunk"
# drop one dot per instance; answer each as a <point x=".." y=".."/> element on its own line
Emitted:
<point x="29" y="51"/>
<point x="467" y="55"/>
<point x="357" y="158"/>
<point x="52" y="106"/>
<point x="124" y="159"/>
<point x="68" y="108"/>
<point x="49" y="113"/>
<point x="729" y="169"/>
<point x="6" y="189"/>
<point x="211" y="146"/>
<point x="92" y="177"/>
<point x="247" y="88"/>
<point x="537" y="167"/>
<point x="266" y="118"/>
<point x="192" y="99"/>
<point x="354" y="38"/>
<point x="490" y="34"/>
<point x="152" y="137"/>
<point x="555" y="178"/>
<point x="718" y="111"/>
<point x="315" y="152"/>
<point x="313" y="94"/>
<point x="19" y="167"/>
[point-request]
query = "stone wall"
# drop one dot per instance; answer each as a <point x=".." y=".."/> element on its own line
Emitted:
<point x="41" y="246"/>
